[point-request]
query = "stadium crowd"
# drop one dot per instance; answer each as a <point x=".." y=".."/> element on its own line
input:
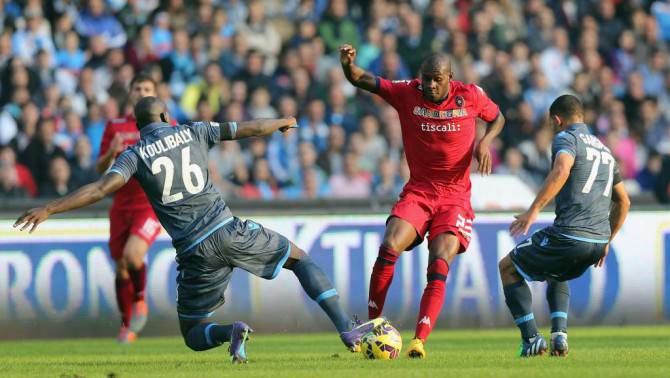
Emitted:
<point x="66" y="65"/>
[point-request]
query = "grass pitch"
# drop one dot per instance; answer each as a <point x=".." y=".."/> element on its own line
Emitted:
<point x="594" y="352"/>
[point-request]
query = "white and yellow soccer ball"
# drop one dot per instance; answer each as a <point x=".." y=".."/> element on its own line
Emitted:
<point x="382" y="343"/>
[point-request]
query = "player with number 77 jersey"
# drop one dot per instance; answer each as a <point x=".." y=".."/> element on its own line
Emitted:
<point x="591" y="206"/>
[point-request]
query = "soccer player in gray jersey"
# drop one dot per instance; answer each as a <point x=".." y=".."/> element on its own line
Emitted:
<point x="210" y="242"/>
<point x="591" y="205"/>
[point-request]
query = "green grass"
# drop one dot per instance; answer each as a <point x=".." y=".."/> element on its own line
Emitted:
<point x="595" y="352"/>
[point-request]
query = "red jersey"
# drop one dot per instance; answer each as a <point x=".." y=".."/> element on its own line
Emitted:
<point x="439" y="138"/>
<point x="130" y="196"/>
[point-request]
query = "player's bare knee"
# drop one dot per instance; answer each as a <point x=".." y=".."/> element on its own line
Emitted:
<point x="122" y="269"/>
<point x="296" y="255"/>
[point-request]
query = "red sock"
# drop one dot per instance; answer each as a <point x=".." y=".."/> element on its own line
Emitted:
<point x="432" y="299"/>
<point x="139" y="278"/>
<point x="380" y="280"/>
<point x="124" y="298"/>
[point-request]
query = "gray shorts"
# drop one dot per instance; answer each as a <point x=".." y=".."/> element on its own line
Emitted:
<point x="206" y="269"/>
<point x="549" y="255"/>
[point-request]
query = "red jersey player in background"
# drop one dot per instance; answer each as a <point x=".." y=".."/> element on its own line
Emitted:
<point x="438" y="130"/>
<point x="132" y="223"/>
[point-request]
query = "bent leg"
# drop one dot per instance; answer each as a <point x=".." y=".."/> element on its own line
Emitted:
<point x="202" y="334"/>
<point x="318" y="287"/>
<point x="398" y="236"/>
<point x="442" y="250"/>
<point x="518" y="298"/>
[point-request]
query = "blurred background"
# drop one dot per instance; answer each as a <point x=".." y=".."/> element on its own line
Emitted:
<point x="65" y="67"/>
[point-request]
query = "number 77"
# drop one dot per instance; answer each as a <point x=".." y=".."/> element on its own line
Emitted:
<point x="608" y="159"/>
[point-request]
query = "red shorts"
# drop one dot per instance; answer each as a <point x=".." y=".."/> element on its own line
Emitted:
<point x="432" y="214"/>
<point x="123" y="223"/>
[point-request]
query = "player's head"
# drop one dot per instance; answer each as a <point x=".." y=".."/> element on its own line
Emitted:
<point x="142" y="85"/>
<point x="565" y="111"/>
<point x="435" y="77"/>
<point x="150" y="109"/>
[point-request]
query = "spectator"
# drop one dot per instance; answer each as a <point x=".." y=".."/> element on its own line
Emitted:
<point x="539" y="96"/>
<point x="336" y="28"/>
<point x="36" y="36"/>
<point x="311" y="188"/>
<point x="414" y="42"/>
<point x="351" y="183"/>
<point x="374" y="145"/>
<point x="339" y="112"/>
<point x="261" y="35"/>
<point x="9" y="185"/>
<point x="66" y="137"/>
<point x="313" y="127"/>
<point x="331" y="161"/>
<point x="59" y="181"/>
<point x="513" y="165"/>
<point x="41" y="150"/>
<point x="95" y="21"/>
<point x="178" y="66"/>
<point x="558" y="65"/>
<point x="161" y="37"/>
<point x="387" y="182"/>
<point x="537" y="154"/>
<point x="262" y="180"/>
<point x="18" y="175"/>
<point x="214" y="87"/>
<point x="82" y="164"/>
<point x="71" y="57"/>
<point x="648" y="176"/>
<point x="259" y="106"/>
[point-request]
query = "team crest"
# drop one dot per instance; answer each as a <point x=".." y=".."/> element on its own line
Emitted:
<point x="459" y="101"/>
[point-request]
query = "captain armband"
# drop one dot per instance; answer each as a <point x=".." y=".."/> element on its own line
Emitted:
<point x="228" y="130"/>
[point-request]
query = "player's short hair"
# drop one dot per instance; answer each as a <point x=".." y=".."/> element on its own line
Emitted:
<point x="566" y="106"/>
<point x="148" y="110"/>
<point x="436" y="60"/>
<point x="143" y="77"/>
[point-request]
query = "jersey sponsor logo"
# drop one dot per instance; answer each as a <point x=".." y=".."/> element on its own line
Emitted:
<point x="441" y="128"/>
<point x="425" y="320"/>
<point x="439" y="114"/>
<point x="166" y="143"/>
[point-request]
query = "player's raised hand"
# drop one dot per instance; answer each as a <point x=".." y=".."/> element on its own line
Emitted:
<point x="32" y="218"/>
<point x="601" y="262"/>
<point x="483" y="155"/>
<point x="117" y="144"/>
<point x="522" y="223"/>
<point x="347" y="54"/>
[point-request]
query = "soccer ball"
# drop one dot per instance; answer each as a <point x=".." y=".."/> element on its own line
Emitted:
<point x="382" y="343"/>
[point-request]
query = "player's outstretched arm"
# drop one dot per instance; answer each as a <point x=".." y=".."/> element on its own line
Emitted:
<point x="483" y="150"/>
<point x="83" y="196"/>
<point x="552" y="185"/>
<point x="262" y="127"/>
<point x="356" y="75"/>
<point x="618" y="213"/>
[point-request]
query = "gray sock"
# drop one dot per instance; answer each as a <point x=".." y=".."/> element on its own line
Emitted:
<point x="519" y="300"/>
<point x="558" y="296"/>
<point x="317" y="285"/>
<point x="207" y="336"/>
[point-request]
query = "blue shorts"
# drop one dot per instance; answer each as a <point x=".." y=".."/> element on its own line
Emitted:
<point x="205" y="270"/>
<point x="550" y="255"/>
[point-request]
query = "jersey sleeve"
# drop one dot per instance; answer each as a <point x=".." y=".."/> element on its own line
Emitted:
<point x="486" y="108"/>
<point x="564" y="143"/>
<point x="392" y="90"/>
<point x="125" y="165"/>
<point x="616" y="177"/>
<point x="107" y="137"/>
<point x="214" y="132"/>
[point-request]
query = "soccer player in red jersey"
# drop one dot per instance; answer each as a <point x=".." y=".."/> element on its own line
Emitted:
<point x="438" y="131"/>
<point x="132" y="222"/>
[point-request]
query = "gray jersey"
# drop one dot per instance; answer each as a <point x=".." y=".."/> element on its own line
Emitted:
<point x="170" y="164"/>
<point x="583" y="204"/>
